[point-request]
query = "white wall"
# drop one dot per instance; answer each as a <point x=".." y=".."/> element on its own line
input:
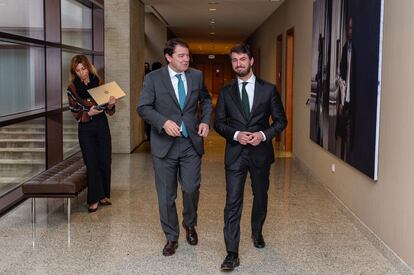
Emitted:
<point x="386" y="206"/>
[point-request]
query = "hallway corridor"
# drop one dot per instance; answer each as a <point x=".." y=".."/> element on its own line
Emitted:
<point x="306" y="231"/>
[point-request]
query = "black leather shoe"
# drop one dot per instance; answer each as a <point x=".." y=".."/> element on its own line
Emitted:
<point x="230" y="262"/>
<point x="190" y="234"/>
<point x="169" y="248"/>
<point x="258" y="242"/>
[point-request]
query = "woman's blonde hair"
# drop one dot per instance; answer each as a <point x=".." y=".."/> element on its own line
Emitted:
<point x="81" y="59"/>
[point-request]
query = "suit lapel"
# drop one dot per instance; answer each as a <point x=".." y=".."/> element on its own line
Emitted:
<point x="235" y="94"/>
<point x="256" y="97"/>
<point x="166" y="80"/>
<point x="189" y="80"/>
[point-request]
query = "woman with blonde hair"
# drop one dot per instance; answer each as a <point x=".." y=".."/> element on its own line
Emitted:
<point x="93" y="130"/>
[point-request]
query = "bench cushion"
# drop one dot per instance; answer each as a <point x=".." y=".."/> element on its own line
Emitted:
<point x="65" y="178"/>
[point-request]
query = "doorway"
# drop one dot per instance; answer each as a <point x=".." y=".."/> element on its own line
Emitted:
<point x="279" y="46"/>
<point x="217" y="72"/>
<point x="290" y="38"/>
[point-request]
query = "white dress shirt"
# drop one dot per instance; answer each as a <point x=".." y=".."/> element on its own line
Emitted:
<point x="251" y="82"/>
<point x="174" y="81"/>
<point x="348" y="74"/>
<point x="249" y="89"/>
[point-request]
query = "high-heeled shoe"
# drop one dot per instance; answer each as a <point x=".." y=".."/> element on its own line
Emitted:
<point x="105" y="202"/>
<point x="91" y="209"/>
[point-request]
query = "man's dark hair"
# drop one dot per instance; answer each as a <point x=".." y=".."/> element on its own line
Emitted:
<point x="242" y="48"/>
<point x="172" y="43"/>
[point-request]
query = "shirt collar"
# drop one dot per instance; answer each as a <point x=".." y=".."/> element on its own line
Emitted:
<point x="174" y="73"/>
<point x="251" y="80"/>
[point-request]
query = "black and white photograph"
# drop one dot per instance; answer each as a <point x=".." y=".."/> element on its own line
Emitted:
<point x="346" y="80"/>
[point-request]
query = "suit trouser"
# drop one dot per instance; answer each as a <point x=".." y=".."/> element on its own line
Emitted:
<point x="95" y="142"/>
<point x="183" y="163"/>
<point x="236" y="174"/>
<point x="346" y="137"/>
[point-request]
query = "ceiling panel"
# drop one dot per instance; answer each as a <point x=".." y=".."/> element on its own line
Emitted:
<point x="234" y="20"/>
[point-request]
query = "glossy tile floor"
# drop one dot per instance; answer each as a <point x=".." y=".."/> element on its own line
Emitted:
<point x="307" y="231"/>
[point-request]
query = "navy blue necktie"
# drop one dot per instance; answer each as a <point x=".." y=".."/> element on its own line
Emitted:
<point x="181" y="100"/>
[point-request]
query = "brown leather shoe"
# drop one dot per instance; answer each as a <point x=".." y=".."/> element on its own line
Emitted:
<point x="190" y="234"/>
<point x="169" y="248"/>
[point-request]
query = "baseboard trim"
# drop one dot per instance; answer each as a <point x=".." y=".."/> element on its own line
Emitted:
<point x="378" y="243"/>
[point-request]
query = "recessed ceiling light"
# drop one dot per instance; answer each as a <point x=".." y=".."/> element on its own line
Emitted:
<point x="212" y="21"/>
<point x="212" y="33"/>
<point x="212" y="9"/>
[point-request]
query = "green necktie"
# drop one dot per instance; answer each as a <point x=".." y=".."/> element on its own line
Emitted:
<point x="245" y="101"/>
<point x="181" y="100"/>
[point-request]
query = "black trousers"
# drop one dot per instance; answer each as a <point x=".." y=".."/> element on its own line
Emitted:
<point x="236" y="174"/>
<point x="95" y="142"/>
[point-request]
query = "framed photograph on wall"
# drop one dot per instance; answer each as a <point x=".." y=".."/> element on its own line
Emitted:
<point x="346" y="80"/>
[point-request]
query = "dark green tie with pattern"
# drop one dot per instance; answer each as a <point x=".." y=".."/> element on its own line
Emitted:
<point x="245" y="101"/>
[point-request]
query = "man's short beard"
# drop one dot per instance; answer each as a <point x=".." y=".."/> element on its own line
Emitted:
<point x="244" y="73"/>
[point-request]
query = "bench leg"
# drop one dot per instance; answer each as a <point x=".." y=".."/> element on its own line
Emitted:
<point x="33" y="221"/>
<point x="69" y="210"/>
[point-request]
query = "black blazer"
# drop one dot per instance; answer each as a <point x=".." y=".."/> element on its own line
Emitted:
<point x="348" y="113"/>
<point x="229" y="119"/>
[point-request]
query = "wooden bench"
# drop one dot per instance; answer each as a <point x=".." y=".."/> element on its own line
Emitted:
<point x="64" y="180"/>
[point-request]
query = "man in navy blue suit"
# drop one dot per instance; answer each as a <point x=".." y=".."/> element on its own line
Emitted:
<point x="243" y="110"/>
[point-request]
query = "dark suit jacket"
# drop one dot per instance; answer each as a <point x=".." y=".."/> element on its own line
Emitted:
<point x="159" y="103"/>
<point x="347" y="114"/>
<point x="343" y="68"/>
<point x="230" y="118"/>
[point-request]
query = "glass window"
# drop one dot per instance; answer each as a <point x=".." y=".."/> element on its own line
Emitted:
<point x="22" y="17"/>
<point x="22" y="152"/>
<point x="22" y="78"/>
<point x="76" y="24"/>
<point x="98" y="29"/>
<point x="70" y="135"/>
<point x="98" y="61"/>
<point x="66" y="57"/>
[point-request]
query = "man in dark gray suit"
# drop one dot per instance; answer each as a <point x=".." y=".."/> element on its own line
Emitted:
<point x="345" y="116"/>
<point x="243" y="110"/>
<point x="175" y="101"/>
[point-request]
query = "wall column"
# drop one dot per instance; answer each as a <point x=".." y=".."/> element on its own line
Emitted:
<point x="124" y="63"/>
